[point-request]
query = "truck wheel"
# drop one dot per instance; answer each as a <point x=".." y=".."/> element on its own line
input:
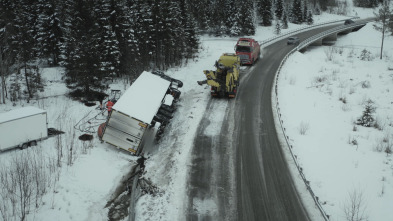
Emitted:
<point x="24" y="146"/>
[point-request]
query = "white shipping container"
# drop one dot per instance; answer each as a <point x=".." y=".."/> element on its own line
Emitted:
<point x="22" y="127"/>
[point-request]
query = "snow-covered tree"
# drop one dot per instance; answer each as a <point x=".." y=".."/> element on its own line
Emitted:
<point x="279" y="8"/>
<point x="284" y="19"/>
<point x="296" y="12"/>
<point x="25" y="36"/>
<point x="8" y="47"/>
<point x="82" y="62"/>
<point x="121" y="21"/>
<point x="277" y="29"/>
<point x="304" y="11"/>
<point x="189" y="37"/>
<point x="142" y="24"/>
<point x="49" y="33"/>
<point x="107" y="43"/>
<point x="245" y="18"/>
<point x="309" y="18"/>
<point x="367" y="119"/>
<point x="201" y="12"/>
<point x="366" y="3"/>
<point x="264" y="8"/>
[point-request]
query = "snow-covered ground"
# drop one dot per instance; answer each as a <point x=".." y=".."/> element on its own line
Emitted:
<point x="80" y="188"/>
<point x="322" y="93"/>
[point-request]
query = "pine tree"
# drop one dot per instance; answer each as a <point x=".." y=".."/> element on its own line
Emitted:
<point x="228" y="10"/>
<point x="141" y="20"/>
<point x="25" y="37"/>
<point x="15" y="88"/>
<point x="245" y="19"/>
<point x="310" y="19"/>
<point x="189" y="26"/>
<point x="107" y="45"/>
<point x="279" y="8"/>
<point x="284" y="19"/>
<point x="49" y="35"/>
<point x="277" y="29"/>
<point x="296" y="12"/>
<point x="390" y="25"/>
<point x="219" y="21"/>
<point x="7" y="45"/>
<point x="366" y="3"/>
<point x="305" y="11"/>
<point x="83" y="73"/>
<point x="198" y="8"/>
<point x="122" y="23"/>
<point x="367" y="119"/>
<point x="173" y="46"/>
<point x="264" y="8"/>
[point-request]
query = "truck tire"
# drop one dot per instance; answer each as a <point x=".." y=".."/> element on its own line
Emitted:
<point x="24" y="146"/>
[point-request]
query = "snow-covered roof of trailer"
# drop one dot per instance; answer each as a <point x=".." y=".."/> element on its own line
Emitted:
<point x="144" y="97"/>
<point x="20" y="113"/>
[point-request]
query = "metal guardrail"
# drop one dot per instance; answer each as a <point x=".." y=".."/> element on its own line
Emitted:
<point x="135" y="194"/>
<point x="321" y="35"/>
<point x="300" y="169"/>
<point x="281" y="36"/>
<point x="301" y="46"/>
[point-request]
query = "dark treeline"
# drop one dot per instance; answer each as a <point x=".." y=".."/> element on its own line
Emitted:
<point x="99" y="40"/>
<point x="94" y="40"/>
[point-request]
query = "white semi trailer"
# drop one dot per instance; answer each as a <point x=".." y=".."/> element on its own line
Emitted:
<point x="137" y="110"/>
<point x="22" y="127"/>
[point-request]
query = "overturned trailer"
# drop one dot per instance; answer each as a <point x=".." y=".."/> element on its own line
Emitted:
<point x="147" y="101"/>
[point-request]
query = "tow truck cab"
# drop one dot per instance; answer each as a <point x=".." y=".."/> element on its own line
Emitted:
<point x="248" y="50"/>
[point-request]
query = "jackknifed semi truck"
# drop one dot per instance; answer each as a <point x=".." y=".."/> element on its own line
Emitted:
<point x="22" y="128"/>
<point x="148" y="101"/>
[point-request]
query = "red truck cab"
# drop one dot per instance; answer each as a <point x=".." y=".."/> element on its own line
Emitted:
<point x="248" y="50"/>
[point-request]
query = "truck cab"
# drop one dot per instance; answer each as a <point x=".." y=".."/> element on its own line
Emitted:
<point x="248" y="50"/>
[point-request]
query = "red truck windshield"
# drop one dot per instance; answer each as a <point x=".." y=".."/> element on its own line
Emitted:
<point x="243" y="49"/>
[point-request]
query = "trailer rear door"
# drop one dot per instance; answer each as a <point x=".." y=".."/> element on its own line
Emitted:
<point x="124" y="131"/>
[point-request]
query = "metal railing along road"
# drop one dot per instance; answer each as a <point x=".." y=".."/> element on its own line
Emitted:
<point x="271" y="40"/>
<point x="324" y="34"/>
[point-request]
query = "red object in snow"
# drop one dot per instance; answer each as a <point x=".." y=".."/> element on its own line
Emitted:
<point x="100" y="131"/>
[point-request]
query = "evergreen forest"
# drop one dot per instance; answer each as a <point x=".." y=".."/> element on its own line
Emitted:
<point x="97" y="41"/>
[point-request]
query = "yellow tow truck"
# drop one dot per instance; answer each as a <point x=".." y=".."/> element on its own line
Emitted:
<point x="224" y="81"/>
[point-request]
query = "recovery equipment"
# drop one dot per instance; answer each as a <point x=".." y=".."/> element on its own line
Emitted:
<point x="224" y="81"/>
